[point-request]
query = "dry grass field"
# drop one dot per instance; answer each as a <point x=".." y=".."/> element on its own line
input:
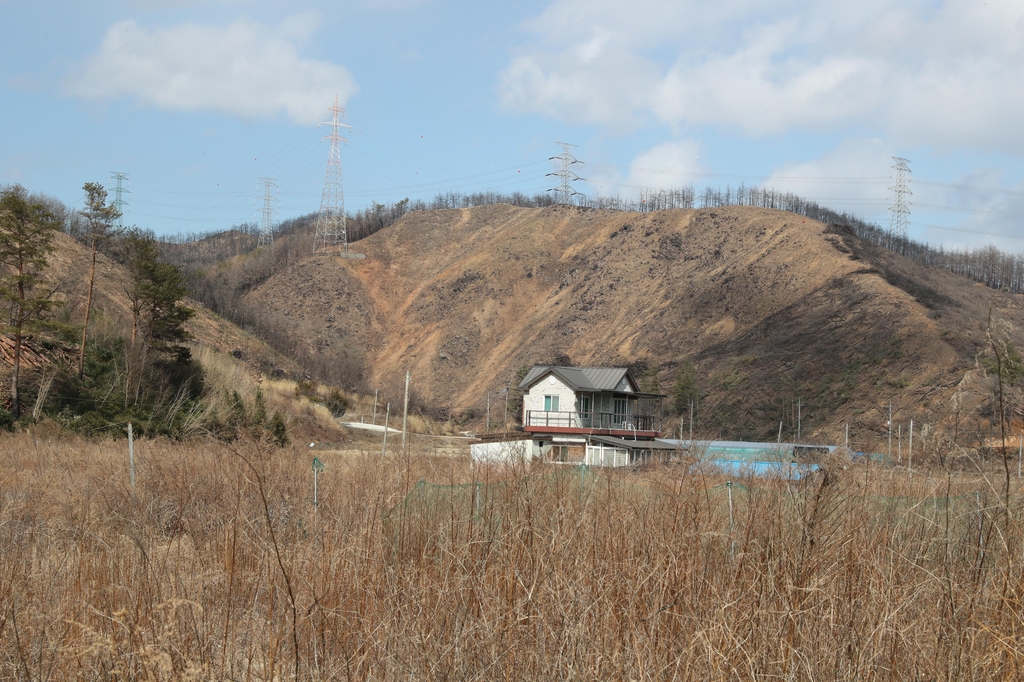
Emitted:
<point x="216" y="565"/>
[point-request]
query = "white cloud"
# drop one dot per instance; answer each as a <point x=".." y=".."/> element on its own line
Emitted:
<point x="243" y="69"/>
<point x="672" y="164"/>
<point x="667" y="166"/>
<point x="596" y="83"/>
<point x="942" y="73"/>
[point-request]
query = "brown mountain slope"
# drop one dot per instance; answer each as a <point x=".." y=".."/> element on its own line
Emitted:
<point x="769" y="306"/>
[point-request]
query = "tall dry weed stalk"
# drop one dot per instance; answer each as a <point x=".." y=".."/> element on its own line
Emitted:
<point x="217" y="566"/>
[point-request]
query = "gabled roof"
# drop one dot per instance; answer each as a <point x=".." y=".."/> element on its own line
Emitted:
<point x="581" y="378"/>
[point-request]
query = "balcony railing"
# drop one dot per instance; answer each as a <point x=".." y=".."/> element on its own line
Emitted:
<point x="591" y="420"/>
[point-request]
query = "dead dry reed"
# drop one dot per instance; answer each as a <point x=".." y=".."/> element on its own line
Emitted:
<point x="218" y="566"/>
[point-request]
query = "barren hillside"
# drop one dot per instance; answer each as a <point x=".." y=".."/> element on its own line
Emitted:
<point x="769" y="306"/>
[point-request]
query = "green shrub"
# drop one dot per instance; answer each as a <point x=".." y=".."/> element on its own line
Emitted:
<point x="6" y="420"/>
<point x="336" y="402"/>
<point x="278" y="429"/>
<point x="259" y="410"/>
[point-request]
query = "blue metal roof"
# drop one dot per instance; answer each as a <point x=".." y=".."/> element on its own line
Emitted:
<point x="744" y="450"/>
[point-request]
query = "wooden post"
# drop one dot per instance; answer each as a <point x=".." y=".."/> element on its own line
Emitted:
<point x="131" y="454"/>
<point x="981" y="524"/>
<point x="375" y="392"/>
<point x="488" y="410"/>
<point x="910" y="453"/>
<point x="728" y="485"/>
<point x="405" y="410"/>
<point x="384" y="448"/>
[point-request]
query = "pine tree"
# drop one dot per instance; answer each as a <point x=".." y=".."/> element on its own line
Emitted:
<point x="278" y="429"/>
<point x="26" y="239"/>
<point x="156" y="291"/>
<point x="685" y="388"/>
<point x="649" y="380"/>
<point x="100" y="217"/>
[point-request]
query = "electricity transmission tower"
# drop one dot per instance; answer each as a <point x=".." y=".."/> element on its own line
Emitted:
<point x="266" y="233"/>
<point x="900" y="212"/>
<point x="330" y="221"/>
<point x="120" y="203"/>
<point x="565" y="191"/>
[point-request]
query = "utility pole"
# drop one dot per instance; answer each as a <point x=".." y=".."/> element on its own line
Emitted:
<point x="488" y="410"/>
<point x="564" y="192"/>
<point x="375" y="392"/>
<point x="266" y="216"/>
<point x="691" y="420"/>
<point x="119" y="202"/>
<point x="330" y="221"/>
<point x="799" y="418"/>
<point x="504" y="424"/>
<point x="384" y="447"/>
<point x="900" y="218"/>
<point x="405" y="410"/>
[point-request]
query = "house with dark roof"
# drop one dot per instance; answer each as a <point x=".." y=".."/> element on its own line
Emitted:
<point x="593" y="415"/>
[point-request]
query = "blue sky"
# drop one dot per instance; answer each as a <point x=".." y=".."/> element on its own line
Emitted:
<point x="197" y="100"/>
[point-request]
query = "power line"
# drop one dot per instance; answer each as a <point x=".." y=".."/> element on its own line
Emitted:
<point x="972" y="188"/>
<point x="238" y="188"/>
<point x="368" y="135"/>
<point x="441" y="184"/>
<point x="330" y="221"/>
<point x="728" y="176"/>
<point x="975" y="211"/>
<point x="960" y="229"/>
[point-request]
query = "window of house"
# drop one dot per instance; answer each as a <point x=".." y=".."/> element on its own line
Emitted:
<point x="551" y="403"/>
<point x="585" y="405"/>
<point x="621" y="407"/>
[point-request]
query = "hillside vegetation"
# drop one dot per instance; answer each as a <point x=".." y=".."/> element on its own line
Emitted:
<point x="148" y="356"/>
